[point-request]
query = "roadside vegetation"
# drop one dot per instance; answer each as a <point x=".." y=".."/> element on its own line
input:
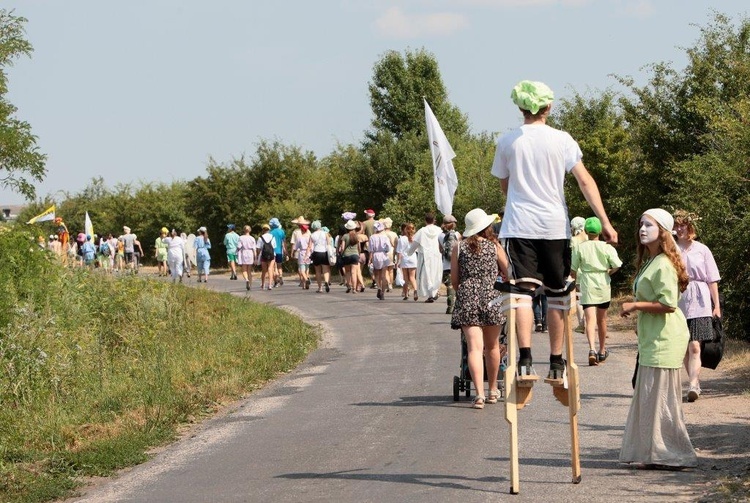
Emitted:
<point x="96" y="370"/>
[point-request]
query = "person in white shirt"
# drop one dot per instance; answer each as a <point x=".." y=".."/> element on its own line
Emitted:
<point x="531" y="163"/>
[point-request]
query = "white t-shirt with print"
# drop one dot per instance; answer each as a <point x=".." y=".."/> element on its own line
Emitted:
<point x="535" y="158"/>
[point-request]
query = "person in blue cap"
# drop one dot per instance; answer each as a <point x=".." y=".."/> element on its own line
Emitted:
<point x="280" y="236"/>
<point x="231" y="240"/>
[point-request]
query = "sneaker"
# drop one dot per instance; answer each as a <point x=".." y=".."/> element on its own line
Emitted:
<point x="538" y="327"/>
<point x="348" y="289"/>
<point x="544" y="328"/>
<point x="307" y="284"/>
<point x="430" y="300"/>
<point x="556" y="370"/>
<point x="603" y="356"/>
<point x="525" y="367"/>
<point x="281" y="281"/>
<point x="693" y="393"/>
<point x="593" y="359"/>
<point x="328" y="287"/>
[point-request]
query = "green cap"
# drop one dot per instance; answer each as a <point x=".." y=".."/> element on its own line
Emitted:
<point x="592" y="226"/>
<point x="532" y="96"/>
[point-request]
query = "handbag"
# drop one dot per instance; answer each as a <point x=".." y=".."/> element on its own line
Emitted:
<point x="331" y="255"/>
<point x="713" y="351"/>
<point x="399" y="281"/>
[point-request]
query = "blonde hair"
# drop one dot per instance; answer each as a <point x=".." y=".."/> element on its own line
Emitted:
<point x="668" y="247"/>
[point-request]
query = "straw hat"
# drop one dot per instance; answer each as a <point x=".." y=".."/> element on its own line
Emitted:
<point x="300" y="220"/>
<point x="476" y="221"/>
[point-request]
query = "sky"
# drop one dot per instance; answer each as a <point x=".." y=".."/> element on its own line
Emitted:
<point x="148" y="90"/>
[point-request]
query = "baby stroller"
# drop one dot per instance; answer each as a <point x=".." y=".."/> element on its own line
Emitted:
<point x="462" y="382"/>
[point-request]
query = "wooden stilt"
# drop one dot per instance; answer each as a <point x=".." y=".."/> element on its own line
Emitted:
<point x="567" y="390"/>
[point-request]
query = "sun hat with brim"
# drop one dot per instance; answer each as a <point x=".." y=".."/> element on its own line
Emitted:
<point x="379" y="226"/>
<point x="476" y="221"/>
<point x="348" y="215"/>
<point x="532" y="96"/>
<point x="316" y="225"/>
<point x="164" y="230"/>
<point x="662" y="217"/>
<point x="265" y="227"/>
<point x="300" y="220"/>
<point x="350" y="225"/>
<point x="592" y="226"/>
<point x="388" y="222"/>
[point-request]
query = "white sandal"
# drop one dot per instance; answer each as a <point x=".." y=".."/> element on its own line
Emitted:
<point x="478" y="402"/>
<point x="493" y="396"/>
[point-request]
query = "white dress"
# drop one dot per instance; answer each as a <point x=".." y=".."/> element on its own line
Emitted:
<point x="429" y="260"/>
<point x="405" y="261"/>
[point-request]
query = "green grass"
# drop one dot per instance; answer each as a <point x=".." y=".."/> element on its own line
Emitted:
<point x="96" y="370"/>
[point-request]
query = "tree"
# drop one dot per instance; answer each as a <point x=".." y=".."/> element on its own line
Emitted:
<point x="690" y="132"/>
<point x="21" y="163"/>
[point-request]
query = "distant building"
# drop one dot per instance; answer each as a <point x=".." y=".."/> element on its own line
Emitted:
<point x="11" y="211"/>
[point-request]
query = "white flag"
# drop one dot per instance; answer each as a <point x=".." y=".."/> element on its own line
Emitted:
<point x="88" y="227"/>
<point x="446" y="181"/>
<point x="45" y="216"/>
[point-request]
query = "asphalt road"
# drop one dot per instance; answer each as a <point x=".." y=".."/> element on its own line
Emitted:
<point x="370" y="417"/>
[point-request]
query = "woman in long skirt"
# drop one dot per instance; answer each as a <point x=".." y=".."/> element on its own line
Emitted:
<point x="655" y="433"/>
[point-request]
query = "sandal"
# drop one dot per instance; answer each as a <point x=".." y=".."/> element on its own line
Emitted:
<point x="603" y="356"/>
<point x="493" y="396"/>
<point x="478" y="402"/>
<point x="593" y="358"/>
<point x="416" y="296"/>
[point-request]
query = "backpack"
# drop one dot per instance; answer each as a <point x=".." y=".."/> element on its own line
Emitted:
<point x="449" y="239"/>
<point x="267" y="253"/>
<point x="104" y="248"/>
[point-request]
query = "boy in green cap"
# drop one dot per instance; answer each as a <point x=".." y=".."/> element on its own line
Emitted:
<point x="531" y="162"/>
<point x="592" y="264"/>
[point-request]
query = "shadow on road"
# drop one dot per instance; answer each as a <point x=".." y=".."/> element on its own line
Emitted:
<point x="431" y="480"/>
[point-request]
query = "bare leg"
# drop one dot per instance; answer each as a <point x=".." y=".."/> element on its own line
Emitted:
<point x="590" y="315"/>
<point x="693" y="363"/>
<point x="492" y="354"/>
<point x="475" y="347"/>
<point x="555" y="319"/>
<point x="601" y="322"/>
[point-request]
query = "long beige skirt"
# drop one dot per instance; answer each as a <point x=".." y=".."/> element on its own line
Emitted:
<point x="655" y="431"/>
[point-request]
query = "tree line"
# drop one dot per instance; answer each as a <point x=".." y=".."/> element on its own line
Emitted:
<point x="680" y="140"/>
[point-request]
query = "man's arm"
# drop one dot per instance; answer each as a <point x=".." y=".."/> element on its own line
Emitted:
<point x="590" y="191"/>
<point x="504" y="185"/>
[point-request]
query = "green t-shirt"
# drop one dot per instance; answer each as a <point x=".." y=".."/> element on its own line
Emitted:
<point x="662" y="338"/>
<point x="591" y="260"/>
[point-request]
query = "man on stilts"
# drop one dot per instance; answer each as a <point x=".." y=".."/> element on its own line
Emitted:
<point x="531" y="162"/>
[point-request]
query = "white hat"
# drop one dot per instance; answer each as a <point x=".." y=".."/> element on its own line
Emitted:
<point x="662" y="217"/>
<point x="350" y="225"/>
<point x="476" y="221"/>
<point x="388" y="222"/>
<point x="379" y="226"/>
<point x="577" y="224"/>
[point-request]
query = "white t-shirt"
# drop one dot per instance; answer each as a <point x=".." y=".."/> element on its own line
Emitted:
<point x="535" y="158"/>
<point x="320" y="241"/>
